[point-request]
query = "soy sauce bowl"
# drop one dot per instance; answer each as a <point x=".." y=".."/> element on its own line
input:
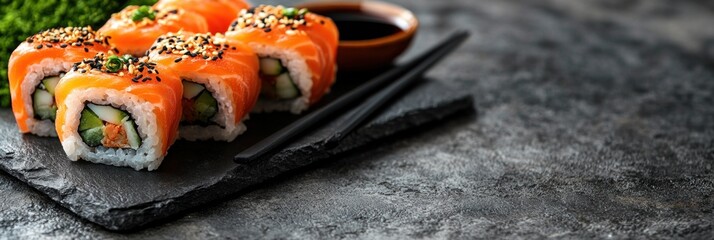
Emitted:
<point x="372" y="34"/>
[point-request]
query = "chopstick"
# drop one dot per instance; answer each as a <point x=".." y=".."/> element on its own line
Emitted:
<point x="423" y="62"/>
<point x="379" y="99"/>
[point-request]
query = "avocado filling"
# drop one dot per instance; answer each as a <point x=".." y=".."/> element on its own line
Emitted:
<point x="199" y="105"/>
<point x="43" y="99"/>
<point x="276" y="81"/>
<point x="108" y="127"/>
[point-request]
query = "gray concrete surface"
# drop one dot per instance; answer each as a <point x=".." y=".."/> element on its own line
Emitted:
<point x="595" y="120"/>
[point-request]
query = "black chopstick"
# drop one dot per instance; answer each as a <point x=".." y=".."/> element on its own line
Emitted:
<point x="375" y="102"/>
<point x="290" y="131"/>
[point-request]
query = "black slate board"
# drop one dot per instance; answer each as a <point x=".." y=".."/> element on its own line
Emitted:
<point x="197" y="173"/>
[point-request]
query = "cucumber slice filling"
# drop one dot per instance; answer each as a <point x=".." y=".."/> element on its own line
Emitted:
<point x="199" y="105"/>
<point x="276" y="80"/>
<point x="191" y="89"/>
<point x="285" y="88"/>
<point x="43" y="103"/>
<point x="271" y="66"/>
<point x="97" y="127"/>
<point x="43" y="99"/>
<point x="93" y="136"/>
<point x="206" y="106"/>
<point x="131" y="134"/>
<point x="108" y="114"/>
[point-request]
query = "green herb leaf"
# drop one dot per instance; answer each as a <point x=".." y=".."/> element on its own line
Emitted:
<point x="290" y="12"/>
<point x="143" y="12"/>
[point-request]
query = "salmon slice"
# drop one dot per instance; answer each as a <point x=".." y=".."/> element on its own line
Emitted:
<point x="67" y="45"/>
<point x="312" y="36"/>
<point x="136" y="37"/>
<point x="218" y="13"/>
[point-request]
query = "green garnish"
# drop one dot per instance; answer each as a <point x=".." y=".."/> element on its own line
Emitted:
<point x="303" y="11"/>
<point x="143" y="12"/>
<point x="114" y="64"/>
<point x="290" y="12"/>
<point x="126" y="58"/>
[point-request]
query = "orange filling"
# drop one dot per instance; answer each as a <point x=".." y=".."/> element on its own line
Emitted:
<point x="115" y="136"/>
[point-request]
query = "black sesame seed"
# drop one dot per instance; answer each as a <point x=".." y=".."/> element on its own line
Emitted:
<point x="267" y="30"/>
<point x="48" y="45"/>
<point x="39" y="46"/>
<point x="64" y="45"/>
<point x="158" y="78"/>
<point x="146" y="79"/>
<point x="86" y="49"/>
<point x="178" y="60"/>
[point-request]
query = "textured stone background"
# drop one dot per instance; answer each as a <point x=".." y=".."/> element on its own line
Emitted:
<point x="595" y="119"/>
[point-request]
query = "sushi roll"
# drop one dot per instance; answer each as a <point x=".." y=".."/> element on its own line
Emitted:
<point x="218" y="13"/>
<point x="297" y="51"/>
<point x="120" y="111"/>
<point x="35" y="68"/>
<point x="220" y="83"/>
<point x="135" y="28"/>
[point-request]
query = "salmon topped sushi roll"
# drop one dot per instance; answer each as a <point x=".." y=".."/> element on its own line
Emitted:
<point x="121" y="111"/>
<point x="35" y="68"/>
<point x="135" y="28"/>
<point x="297" y="51"/>
<point x="218" y="13"/>
<point x="220" y="83"/>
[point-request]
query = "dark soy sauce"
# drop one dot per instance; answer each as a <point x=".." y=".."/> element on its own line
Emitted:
<point x="354" y="25"/>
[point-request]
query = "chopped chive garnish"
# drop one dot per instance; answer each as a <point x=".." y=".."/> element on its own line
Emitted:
<point x="290" y="12"/>
<point x="303" y="11"/>
<point x="113" y="64"/>
<point x="126" y="58"/>
<point x="143" y="12"/>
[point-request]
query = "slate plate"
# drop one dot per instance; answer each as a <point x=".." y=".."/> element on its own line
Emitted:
<point x="197" y="173"/>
